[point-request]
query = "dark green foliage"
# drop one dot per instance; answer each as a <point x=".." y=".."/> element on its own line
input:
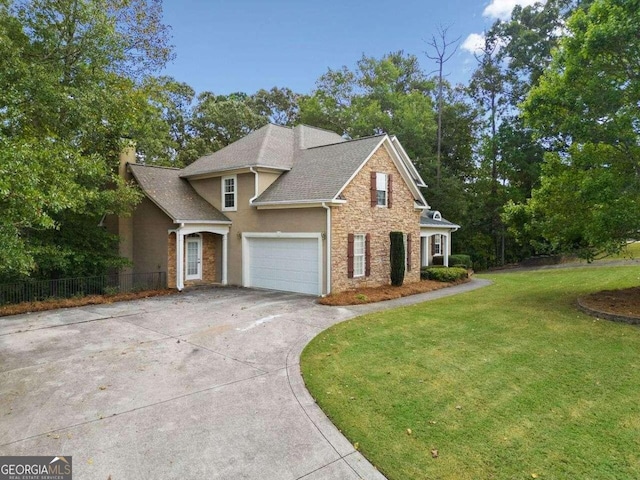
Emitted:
<point x="69" y="92"/>
<point x="443" y="274"/>
<point x="460" y="260"/>
<point x="585" y="108"/>
<point x="397" y="258"/>
<point x="454" y="261"/>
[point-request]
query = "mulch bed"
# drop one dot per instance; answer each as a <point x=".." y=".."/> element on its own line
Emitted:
<point x="378" y="294"/>
<point x="28" y="307"/>
<point x="624" y="302"/>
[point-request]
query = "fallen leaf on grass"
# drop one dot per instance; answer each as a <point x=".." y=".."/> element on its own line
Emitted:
<point x="434" y="453"/>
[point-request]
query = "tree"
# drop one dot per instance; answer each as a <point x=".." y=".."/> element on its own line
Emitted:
<point x="390" y="94"/>
<point x="587" y="108"/>
<point x="164" y="136"/>
<point x="279" y="105"/>
<point x="487" y="89"/>
<point x="527" y="40"/>
<point x="67" y="98"/>
<point x="219" y="120"/>
<point x="397" y="258"/>
<point x="441" y="56"/>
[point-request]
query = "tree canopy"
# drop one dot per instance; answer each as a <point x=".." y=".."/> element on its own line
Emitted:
<point x="68" y="95"/>
<point x="586" y="107"/>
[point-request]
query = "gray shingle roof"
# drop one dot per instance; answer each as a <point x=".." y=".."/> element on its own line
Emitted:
<point x="174" y="195"/>
<point x="427" y="220"/>
<point x="269" y="146"/>
<point x="309" y="137"/>
<point x="319" y="173"/>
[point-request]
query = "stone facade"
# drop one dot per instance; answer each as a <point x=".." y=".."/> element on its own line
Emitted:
<point x="357" y="216"/>
<point x="208" y="261"/>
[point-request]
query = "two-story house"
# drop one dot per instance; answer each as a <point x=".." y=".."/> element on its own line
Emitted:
<point x="295" y="209"/>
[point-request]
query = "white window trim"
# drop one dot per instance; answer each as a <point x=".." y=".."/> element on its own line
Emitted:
<point x="197" y="238"/>
<point x="380" y="175"/>
<point x="359" y="237"/>
<point x="235" y="193"/>
<point x="437" y="245"/>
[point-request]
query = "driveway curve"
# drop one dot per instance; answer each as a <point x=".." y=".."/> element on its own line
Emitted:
<point x="203" y="384"/>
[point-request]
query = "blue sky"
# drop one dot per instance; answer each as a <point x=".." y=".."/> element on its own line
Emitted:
<point x="228" y="46"/>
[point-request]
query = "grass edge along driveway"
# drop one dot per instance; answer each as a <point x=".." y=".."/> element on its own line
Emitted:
<point x="507" y="382"/>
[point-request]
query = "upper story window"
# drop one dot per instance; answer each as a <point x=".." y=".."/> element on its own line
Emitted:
<point x="381" y="189"/>
<point x="230" y="192"/>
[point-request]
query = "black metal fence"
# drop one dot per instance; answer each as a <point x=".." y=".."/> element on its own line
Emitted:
<point x="34" y="290"/>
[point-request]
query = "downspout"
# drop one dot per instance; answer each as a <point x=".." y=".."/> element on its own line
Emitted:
<point x="328" y="235"/>
<point x="255" y="176"/>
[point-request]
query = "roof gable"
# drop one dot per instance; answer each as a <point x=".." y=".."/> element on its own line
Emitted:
<point x="319" y="173"/>
<point x="174" y="195"/>
<point x="400" y="164"/>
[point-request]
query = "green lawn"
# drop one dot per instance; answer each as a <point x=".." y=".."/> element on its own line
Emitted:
<point x="506" y="382"/>
<point x="631" y="251"/>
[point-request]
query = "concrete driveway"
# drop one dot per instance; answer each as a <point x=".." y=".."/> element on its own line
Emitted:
<point x="204" y="384"/>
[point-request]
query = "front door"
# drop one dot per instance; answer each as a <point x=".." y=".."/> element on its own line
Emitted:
<point x="193" y="270"/>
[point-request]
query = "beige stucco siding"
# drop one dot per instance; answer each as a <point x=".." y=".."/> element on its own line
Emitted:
<point x="247" y="218"/>
<point x="358" y="217"/>
<point x="265" y="179"/>
<point x="209" y="189"/>
<point x="150" y="226"/>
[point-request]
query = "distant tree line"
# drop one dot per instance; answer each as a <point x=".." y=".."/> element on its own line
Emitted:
<point x="537" y="154"/>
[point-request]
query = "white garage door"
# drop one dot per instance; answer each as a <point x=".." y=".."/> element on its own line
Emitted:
<point x="289" y="264"/>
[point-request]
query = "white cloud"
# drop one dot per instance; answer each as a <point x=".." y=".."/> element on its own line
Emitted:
<point x="474" y="43"/>
<point x="502" y="8"/>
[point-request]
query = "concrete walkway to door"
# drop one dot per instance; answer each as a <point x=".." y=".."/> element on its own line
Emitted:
<point x="203" y="384"/>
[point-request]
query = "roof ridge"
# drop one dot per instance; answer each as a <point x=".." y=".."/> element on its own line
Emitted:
<point x="153" y="166"/>
<point x="264" y="140"/>
<point x="317" y="128"/>
<point x="348" y="141"/>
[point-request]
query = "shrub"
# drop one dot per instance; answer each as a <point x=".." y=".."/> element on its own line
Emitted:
<point x="443" y="274"/>
<point x="460" y="260"/>
<point x="362" y="297"/>
<point x="397" y="258"/>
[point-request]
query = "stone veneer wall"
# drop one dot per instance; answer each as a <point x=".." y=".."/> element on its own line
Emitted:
<point x="358" y="217"/>
<point x="208" y="261"/>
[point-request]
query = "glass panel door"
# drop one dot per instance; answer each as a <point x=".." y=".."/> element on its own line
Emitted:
<point x="194" y="260"/>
